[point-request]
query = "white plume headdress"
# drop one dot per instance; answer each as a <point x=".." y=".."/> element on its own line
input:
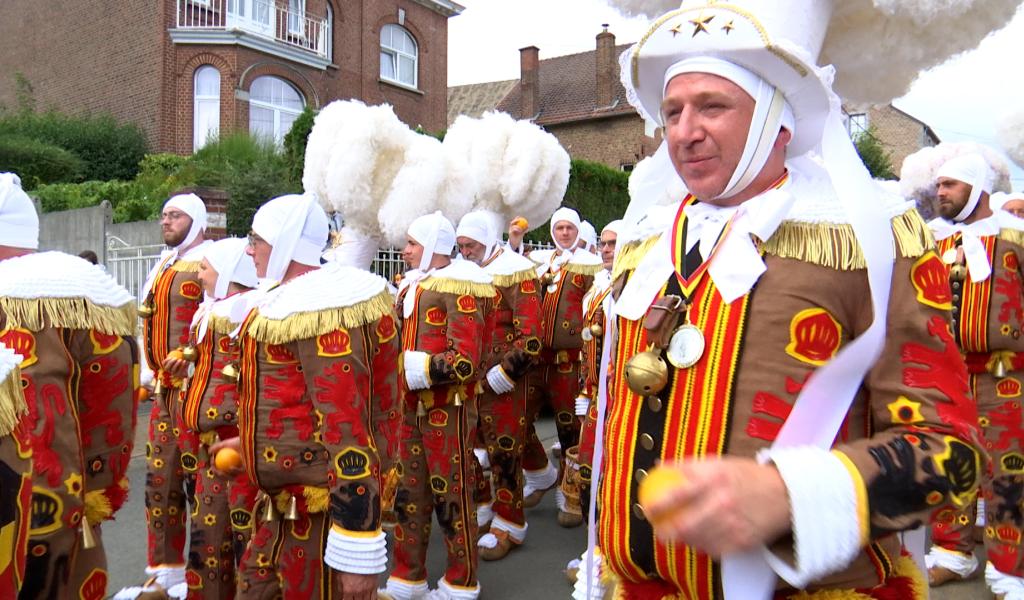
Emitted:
<point x="517" y="168"/>
<point x="1011" y="135"/>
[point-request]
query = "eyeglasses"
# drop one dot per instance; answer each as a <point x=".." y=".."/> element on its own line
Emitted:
<point x="602" y="244"/>
<point x="255" y="239"/>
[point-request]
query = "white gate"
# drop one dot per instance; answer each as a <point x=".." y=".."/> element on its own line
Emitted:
<point x="129" y="265"/>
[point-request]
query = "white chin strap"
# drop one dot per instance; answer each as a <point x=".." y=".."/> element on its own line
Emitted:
<point x="972" y="204"/>
<point x="765" y="126"/>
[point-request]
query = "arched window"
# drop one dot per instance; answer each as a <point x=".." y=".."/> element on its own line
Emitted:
<point x="273" y="106"/>
<point x="399" y="56"/>
<point x="205" y="106"/>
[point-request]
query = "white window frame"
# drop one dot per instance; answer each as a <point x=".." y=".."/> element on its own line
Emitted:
<point x="857" y="123"/>
<point x="395" y="54"/>
<point x="200" y="138"/>
<point x="297" y="18"/>
<point x="278" y="134"/>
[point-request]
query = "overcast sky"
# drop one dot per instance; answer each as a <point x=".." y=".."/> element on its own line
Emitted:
<point x="961" y="100"/>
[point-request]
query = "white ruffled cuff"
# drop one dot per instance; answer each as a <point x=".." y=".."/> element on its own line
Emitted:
<point x="458" y="592"/>
<point x="828" y="503"/>
<point x="588" y="582"/>
<point x="1011" y="588"/>
<point x="400" y="589"/>
<point x="515" y="532"/>
<point x="484" y="513"/>
<point x="417" y="370"/>
<point x="582" y="406"/>
<point x="499" y="381"/>
<point x="539" y="480"/>
<point x="962" y="564"/>
<point x="482" y="458"/>
<point x="359" y="554"/>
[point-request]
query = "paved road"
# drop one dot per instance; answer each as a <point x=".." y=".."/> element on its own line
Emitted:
<point x="533" y="571"/>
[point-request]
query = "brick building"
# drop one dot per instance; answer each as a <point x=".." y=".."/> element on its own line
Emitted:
<point x="900" y="133"/>
<point x="578" y="98"/>
<point x="187" y="69"/>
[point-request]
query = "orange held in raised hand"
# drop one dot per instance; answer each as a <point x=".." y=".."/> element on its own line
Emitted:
<point x="521" y="223"/>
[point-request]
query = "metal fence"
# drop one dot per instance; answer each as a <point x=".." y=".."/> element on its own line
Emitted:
<point x="129" y="265"/>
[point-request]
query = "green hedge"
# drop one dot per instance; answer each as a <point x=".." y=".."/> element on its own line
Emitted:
<point x="600" y="194"/>
<point x="37" y="162"/>
<point x="108" y="150"/>
<point x="295" y="144"/>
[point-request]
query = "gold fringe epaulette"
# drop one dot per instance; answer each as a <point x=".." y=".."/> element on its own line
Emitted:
<point x="458" y="287"/>
<point x="35" y="314"/>
<point x="12" y="402"/>
<point x="514" y="278"/>
<point x="588" y="270"/>
<point x="835" y="246"/>
<point x="97" y="506"/>
<point x="629" y="257"/>
<point x="185" y="266"/>
<point x="221" y="325"/>
<point x="306" y="325"/>
<point x="1014" y="236"/>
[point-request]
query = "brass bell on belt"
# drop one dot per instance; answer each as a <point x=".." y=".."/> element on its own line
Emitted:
<point x="957" y="273"/>
<point x="88" y="538"/>
<point x="1000" y="370"/>
<point x="269" y="512"/>
<point x="158" y="386"/>
<point x="546" y="279"/>
<point x="421" y="409"/>
<point x="189" y="353"/>
<point x="230" y="372"/>
<point x="597" y="330"/>
<point x="293" y="510"/>
<point x="458" y="400"/>
<point x="646" y="373"/>
<point x="145" y="310"/>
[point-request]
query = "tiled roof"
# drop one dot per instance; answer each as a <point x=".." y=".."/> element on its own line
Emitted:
<point x="568" y="90"/>
<point x="477" y="98"/>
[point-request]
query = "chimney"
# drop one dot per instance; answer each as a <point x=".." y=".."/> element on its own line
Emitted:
<point x="529" y="82"/>
<point x="604" y="59"/>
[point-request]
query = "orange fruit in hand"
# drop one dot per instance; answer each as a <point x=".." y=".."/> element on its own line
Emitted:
<point x="660" y="483"/>
<point x="521" y="223"/>
<point x="176" y="355"/>
<point x="227" y="459"/>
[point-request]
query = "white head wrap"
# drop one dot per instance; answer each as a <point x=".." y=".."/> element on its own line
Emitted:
<point x="482" y="226"/>
<point x="354" y="249"/>
<point x="589" y="235"/>
<point x="615" y="227"/>
<point x="19" y="223"/>
<point x="296" y="228"/>
<point x="436" y="234"/>
<point x="566" y="214"/>
<point x="973" y="170"/>
<point x="771" y="113"/>
<point x="193" y="206"/>
<point x="228" y="257"/>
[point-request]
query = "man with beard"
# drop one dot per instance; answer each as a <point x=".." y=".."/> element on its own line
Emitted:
<point x="444" y="306"/>
<point x="566" y="273"/>
<point x="170" y="297"/>
<point x="319" y="368"/>
<point x="513" y="347"/>
<point x="73" y="327"/>
<point x="983" y="251"/>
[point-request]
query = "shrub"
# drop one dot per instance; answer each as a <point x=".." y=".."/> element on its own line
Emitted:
<point x="109" y="150"/>
<point x="600" y="194"/>
<point x="295" y="144"/>
<point x="37" y="162"/>
<point x="873" y="153"/>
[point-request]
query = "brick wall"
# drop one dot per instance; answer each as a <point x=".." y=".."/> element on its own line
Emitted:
<point x="99" y="55"/>
<point x="900" y="134"/>
<point x="85" y="56"/>
<point x="615" y="141"/>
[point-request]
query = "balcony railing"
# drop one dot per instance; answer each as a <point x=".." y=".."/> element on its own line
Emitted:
<point x="261" y="18"/>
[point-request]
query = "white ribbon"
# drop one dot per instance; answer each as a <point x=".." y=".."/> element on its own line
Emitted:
<point x="975" y="253"/>
<point x="411" y="282"/>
